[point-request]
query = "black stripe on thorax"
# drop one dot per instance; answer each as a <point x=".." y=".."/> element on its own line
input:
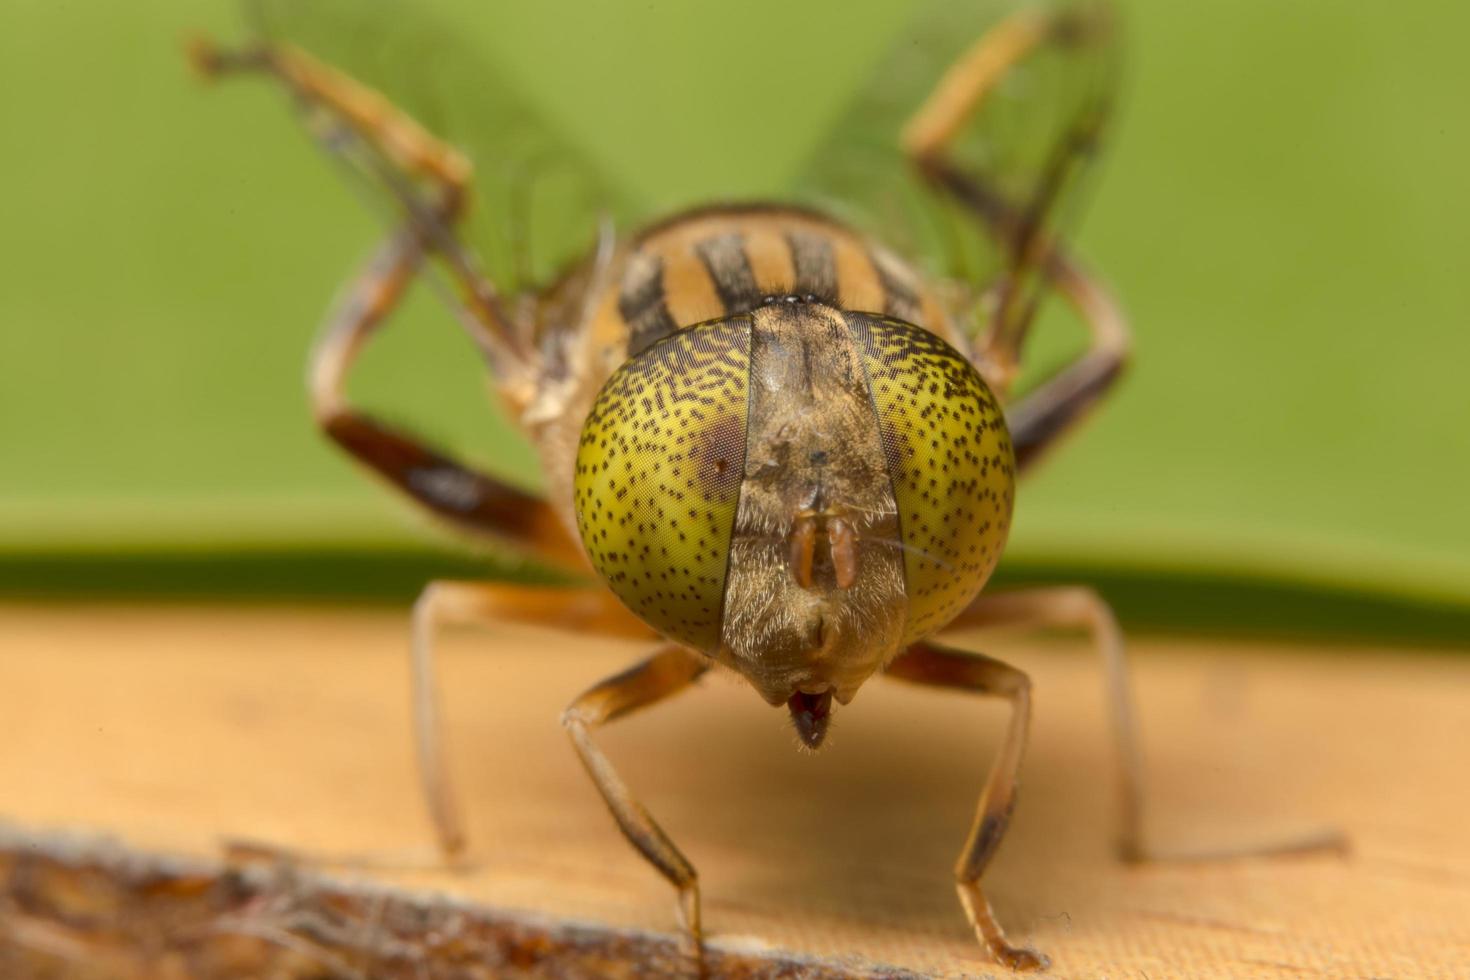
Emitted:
<point x="813" y="266"/>
<point x="729" y="268"/>
<point x="642" y="303"/>
<point x="899" y="298"/>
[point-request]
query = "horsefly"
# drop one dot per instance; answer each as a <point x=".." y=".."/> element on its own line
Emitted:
<point x="784" y="444"/>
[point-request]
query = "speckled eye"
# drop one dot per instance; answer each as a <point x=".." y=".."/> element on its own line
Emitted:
<point x="949" y="457"/>
<point x="659" y="468"/>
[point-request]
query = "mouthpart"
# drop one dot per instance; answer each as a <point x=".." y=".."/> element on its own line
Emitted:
<point x="811" y="713"/>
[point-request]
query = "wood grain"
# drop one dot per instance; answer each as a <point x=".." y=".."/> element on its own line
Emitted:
<point x="171" y="729"/>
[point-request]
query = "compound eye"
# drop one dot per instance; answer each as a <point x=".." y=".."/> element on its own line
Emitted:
<point x="659" y="468"/>
<point x="949" y="457"/>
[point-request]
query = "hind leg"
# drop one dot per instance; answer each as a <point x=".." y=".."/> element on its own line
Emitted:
<point x="429" y="179"/>
<point x="1023" y="229"/>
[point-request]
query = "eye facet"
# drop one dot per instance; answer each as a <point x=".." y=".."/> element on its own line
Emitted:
<point x="659" y="469"/>
<point x="949" y="457"/>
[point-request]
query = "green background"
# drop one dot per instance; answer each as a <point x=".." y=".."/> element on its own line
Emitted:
<point x="1283" y="211"/>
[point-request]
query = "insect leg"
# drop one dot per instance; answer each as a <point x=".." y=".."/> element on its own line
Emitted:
<point x="447" y="487"/>
<point x="405" y="152"/>
<point x="665" y="673"/>
<point x="1055" y="407"/>
<point x="926" y="663"/>
<point x="1082" y="608"/>
<point x="1034" y="255"/>
<point x="1019" y="226"/>
<point x="442" y="603"/>
<point x="1078" y="607"/>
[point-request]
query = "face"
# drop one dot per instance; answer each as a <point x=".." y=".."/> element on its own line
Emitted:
<point x="798" y="492"/>
<point x="814" y="599"/>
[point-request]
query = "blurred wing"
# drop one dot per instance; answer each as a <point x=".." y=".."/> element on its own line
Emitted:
<point x="535" y="201"/>
<point x="1003" y="102"/>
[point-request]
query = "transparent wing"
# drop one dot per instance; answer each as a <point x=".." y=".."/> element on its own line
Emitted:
<point x="535" y="199"/>
<point x="966" y="147"/>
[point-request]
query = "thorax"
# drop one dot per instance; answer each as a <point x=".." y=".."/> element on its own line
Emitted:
<point x="695" y="267"/>
<point x="721" y="261"/>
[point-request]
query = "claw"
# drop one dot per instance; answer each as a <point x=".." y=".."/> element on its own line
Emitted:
<point x="988" y="931"/>
<point x="209" y="61"/>
<point x="693" y="934"/>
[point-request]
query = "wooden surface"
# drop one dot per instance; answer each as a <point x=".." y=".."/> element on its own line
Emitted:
<point x="169" y="729"/>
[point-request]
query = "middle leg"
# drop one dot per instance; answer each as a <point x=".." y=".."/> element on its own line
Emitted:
<point x="442" y="603"/>
<point x="1081" y="608"/>
<point x="1077" y="607"/>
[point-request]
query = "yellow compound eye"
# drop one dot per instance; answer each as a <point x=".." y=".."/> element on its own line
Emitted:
<point x="659" y="469"/>
<point x="949" y="457"/>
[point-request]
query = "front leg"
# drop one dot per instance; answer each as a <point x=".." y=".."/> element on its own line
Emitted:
<point x="925" y="663"/>
<point x="667" y="672"/>
<point x="430" y="181"/>
<point x="449" y="488"/>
